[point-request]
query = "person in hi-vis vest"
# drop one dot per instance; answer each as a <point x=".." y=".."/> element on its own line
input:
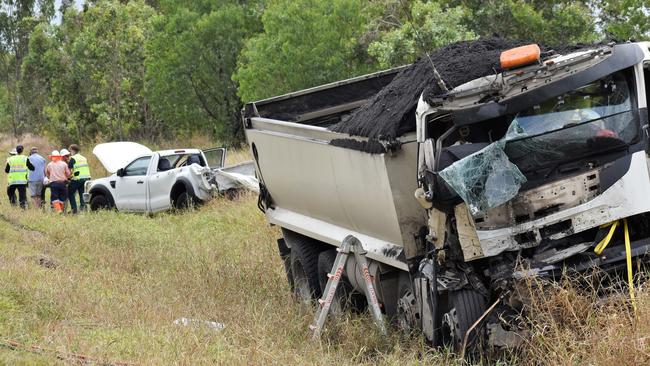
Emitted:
<point x="17" y="169"/>
<point x="78" y="164"/>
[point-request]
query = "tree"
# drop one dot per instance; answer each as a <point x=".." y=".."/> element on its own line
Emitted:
<point x="190" y="63"/>
<point x="17" y="20"/>
<point x="625" y="19"/>
<point x="404" y="34"/>
<point x="92" y="67"/>
<point x="304" y="43"/>
<point x="550" y="22"/>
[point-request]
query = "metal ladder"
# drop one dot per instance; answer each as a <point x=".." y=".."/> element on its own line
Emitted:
<point x="349" y="244"/>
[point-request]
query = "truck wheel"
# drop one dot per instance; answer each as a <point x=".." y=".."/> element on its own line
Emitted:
<point x="183" y="201"/>
<point x="304" y="266"/>
<point x="465" y="307"/>
<point x="325" y="263"/>
<point x="99" y="202"/>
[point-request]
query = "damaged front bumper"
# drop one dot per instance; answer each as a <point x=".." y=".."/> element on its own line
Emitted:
<point x="624" y="198"/>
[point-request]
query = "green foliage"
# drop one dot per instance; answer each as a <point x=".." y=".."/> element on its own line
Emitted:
<point x="18" y="18"/>
<point x="428" y="26"/>
<point x="151" y="69"/>
<point x="190" y="61"/>
<point x="544" y="21"/>
<point x="91" y="70"/>
<point x="305" y="43"/>
<point x="625" y="19"/>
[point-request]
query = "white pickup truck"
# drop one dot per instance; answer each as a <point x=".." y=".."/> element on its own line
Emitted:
<point x="142" y="180"/>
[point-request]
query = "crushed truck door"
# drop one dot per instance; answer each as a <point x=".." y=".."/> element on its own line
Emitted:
<point x="131" y="187"/>
<point x="160" y="183"/>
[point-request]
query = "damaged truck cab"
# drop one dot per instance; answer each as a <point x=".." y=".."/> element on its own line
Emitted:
<point x="538" y="154"/>
<point x="523" y="172"/>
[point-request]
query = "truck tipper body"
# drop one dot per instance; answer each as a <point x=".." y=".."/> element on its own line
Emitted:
<point x="520" y="173"/>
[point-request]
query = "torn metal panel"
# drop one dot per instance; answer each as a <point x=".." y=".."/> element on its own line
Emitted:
<point x="617" y="202"/>
<point x="554" y="255"/>
<point x="543" y="201"/>
<point x="469" y="242"/>
<point x="437" y="227"/>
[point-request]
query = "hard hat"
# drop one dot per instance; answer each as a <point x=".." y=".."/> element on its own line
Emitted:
<point x="13" y="152"/>
<point x="65" y="152"/>
<point x="55" y="153"/>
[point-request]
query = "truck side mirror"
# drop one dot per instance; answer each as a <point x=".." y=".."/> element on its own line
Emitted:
<point x="120" y="172"/>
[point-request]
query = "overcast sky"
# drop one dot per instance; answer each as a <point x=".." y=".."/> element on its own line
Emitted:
<point x="57" y="5"/>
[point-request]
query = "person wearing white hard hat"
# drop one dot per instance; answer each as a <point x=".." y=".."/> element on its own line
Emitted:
<point x="58" y="174"/>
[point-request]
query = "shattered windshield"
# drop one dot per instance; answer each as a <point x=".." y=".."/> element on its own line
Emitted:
<point x="595" y="118"/>
<point x="592" y="119"/>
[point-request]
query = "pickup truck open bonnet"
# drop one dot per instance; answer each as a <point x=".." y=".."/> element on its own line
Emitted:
<point x="115" y="155"/>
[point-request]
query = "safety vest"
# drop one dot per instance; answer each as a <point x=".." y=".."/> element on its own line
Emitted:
<point x="17" y="169"/>
<point x="80" y="169"/>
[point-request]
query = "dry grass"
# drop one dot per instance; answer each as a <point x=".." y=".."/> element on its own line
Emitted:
<point x="121" y="280"/>
<point x="110" y="285"/>
<point x="574" y="325"/>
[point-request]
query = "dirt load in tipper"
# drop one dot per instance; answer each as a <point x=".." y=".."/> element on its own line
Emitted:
<point x="521" y="161"/>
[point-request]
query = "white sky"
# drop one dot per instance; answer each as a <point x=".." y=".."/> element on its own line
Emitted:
<point x="57" y="5"/>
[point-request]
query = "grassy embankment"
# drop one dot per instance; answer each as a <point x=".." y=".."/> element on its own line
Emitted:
<point x="109" y="285"/>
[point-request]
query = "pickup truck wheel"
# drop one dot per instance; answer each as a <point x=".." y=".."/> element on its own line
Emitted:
<point x="304" y="266"/>
<point x="99" y="202"/>
<point x="465" y="308"/>
<point x="183" y="201"/>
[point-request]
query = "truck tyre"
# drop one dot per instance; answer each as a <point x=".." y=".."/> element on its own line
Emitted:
<point x="304" y="266"/>
<point x="465" y="307"/>
<point x="183" y="201"/>
<point x="325" y="263"/>
<point x="99" y="202"/>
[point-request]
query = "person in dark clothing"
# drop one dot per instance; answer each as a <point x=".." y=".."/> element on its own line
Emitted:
<point x="16" y="169"/>
<point x="78" y="165"/>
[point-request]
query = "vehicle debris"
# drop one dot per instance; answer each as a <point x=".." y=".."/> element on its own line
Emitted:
<point x="186" y="322"/>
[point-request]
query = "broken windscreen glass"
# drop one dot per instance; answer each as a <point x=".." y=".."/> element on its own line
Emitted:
<point x="590" y="120"/>
<point x="487" y="178"/>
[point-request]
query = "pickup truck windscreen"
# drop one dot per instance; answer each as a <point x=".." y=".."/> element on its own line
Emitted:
<point x="138" y="167"/>
<point x="593" y="119"/>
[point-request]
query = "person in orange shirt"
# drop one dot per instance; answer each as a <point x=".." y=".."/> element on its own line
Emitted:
<point x="58" y="175"/>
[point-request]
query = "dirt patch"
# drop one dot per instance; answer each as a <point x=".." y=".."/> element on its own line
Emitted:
<point x="391" y="112"/>
<point x="43" y="261"/>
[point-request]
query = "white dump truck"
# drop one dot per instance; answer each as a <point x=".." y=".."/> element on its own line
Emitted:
<point x="520" y="173"/>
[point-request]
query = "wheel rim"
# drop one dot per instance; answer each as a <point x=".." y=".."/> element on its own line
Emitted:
<point x="450" y="328"/>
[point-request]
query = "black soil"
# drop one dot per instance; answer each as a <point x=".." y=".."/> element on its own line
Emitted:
<point x="391" y="112"/>
<point x="371" y="146"/>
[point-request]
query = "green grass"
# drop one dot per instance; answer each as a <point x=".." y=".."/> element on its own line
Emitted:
<point x="122" y="279"/>
<point x="109" y="285"/>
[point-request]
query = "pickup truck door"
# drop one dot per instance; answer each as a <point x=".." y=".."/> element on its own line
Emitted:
<point x="215" y="157"/>
<point x="161" y="182"/>
<point x="131" y="188"/>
